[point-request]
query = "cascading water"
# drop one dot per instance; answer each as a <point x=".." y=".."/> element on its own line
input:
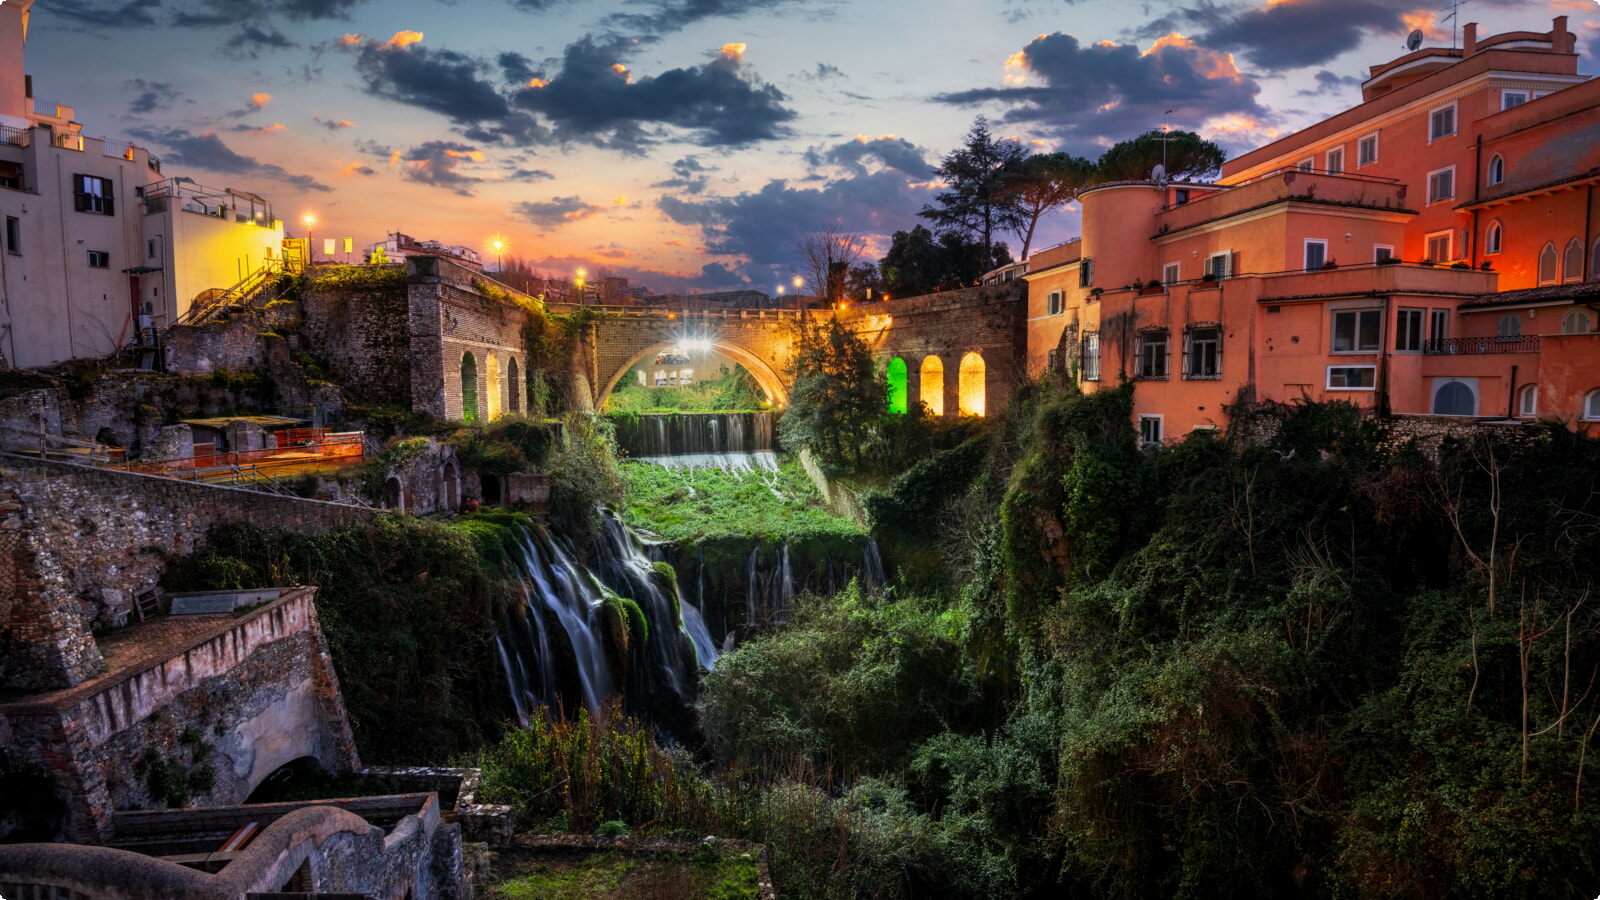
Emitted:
<point x="734" y="441"/>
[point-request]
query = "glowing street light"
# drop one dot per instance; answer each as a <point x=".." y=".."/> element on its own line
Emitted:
<point x="311" y="248"/>
<point x="581" y="273"/>
<point x="498" y="245"/>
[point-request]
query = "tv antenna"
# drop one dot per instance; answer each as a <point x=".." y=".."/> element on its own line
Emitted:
<point x="1165" y="139"/>
<point x="1454" y="18"/>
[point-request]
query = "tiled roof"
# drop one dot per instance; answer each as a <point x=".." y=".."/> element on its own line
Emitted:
<point x="1581" y="292"/>
<point x="1535" y="189"/>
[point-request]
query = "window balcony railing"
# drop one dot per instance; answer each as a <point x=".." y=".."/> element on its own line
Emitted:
<point x="17" y="137"/>
<point x="1476" y="345"/>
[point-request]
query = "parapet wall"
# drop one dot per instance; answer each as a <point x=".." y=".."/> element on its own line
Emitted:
<point x="451" y="318"/>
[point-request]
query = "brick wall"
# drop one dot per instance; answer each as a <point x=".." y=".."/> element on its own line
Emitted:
<point x="449" y="318"/>
<point x="364" y="337"/>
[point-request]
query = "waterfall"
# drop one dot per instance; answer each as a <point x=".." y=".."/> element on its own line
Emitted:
<point x="750" y="587"/>
<point x="872" y="566"/>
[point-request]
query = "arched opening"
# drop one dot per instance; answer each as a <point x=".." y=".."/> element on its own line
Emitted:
<point x="898" y="379"/>
<point x="1528" y="401"/>
<point x="514" y="386"/>
<point x="491" y="388"/>
<point x="933" y="385"/>
<point x="394" y="494"/>
<point x="1577" y="322"/>
<point x="1497" y="169"/>
<point x="469" y="388"/>
<point x="491" y="490"/>
<point x="292" y="781"/>
<point x="970" y="381"/>
<point x="1494" y="239"/>
<point x="1547" y="264"/>
<point x="766" y="377"/>
<point x="1591" y="406"/>
<point x="449" y="487"/>
<point x="1510" y="326"/>
<point x="1572" y="266"/>
<point x="1454" y="398"/>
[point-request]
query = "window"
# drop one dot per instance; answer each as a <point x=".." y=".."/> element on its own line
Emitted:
<point x="1152" y="354"/>
<point x="1591" y="406"/>
<point x="1220" y="265"/>
<point x="1203" y="352"/>
<point x="1509" y="99"/>
<point x="1307" y="165"/>
<point x="1408" y="331"/>
<point x="1086" y="272"/>
<point x="1439" y="327"/>
<point x="1316" y="254"/>
<point x="1091" y="356"/>
<point x="1367" y="150"/>
<point x="13" y="235"/>
<point x="1357" y="330"/>
<point x="1442" y="122"/>
<point x="1528" y="401"/>
<point x="1455" y="398"/>
<point x="1497" y="169"/>
<point x="99" y="259"/>
<point x="1439" y="247"/>
<point x="1577" y="322"/>
<point x="1442" y="185"/>
<point x="11" y="175"/>
<point x="1509" y="326"/>
<point x="93" y="195"/>
<point x="1572" y="266"/>
<point x="1381" y="252"/>
<point x="1150" y="431"/>
<point x="1169" y="273"/>
<point x="150" y="249"/>
<point x="1336" y="161"/>
<point x="1352" y="378"/>
<point x="1493" y="239"/>
<point x="1054" y="305"/>
<point x="1547" y="264"/>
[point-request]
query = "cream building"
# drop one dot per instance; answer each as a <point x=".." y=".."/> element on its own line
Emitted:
<point x="97" y="240"/>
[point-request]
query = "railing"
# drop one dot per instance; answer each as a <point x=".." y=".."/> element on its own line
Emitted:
<point x="677" y="312"/>
<point x="67" y="141"/>
<point x="1476" y="345"/>
<point x="255" y="286"/>
<point x="17" y="137"/>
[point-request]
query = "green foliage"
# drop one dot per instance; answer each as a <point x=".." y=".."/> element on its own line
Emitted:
<point x="838" y="396"/>
<point x="691" y="505"/>
<point x="508" y="445"/>
<point x="613" y="828"/>
<point x="584" y="477"/>
<point x="921" y="262"/>
<point x="1186" y="155"/>
<point x="360" y="278"/>
<point x="734" y="390"/>
<point x="375" y="472"/>
<point x="916" y="495"/>
<point x="977" y="201"/>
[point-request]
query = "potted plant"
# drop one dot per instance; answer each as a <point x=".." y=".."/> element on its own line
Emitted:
<point x="1096" y="291"/>
<point x="1488" y="265"/>
<point x="1427" y="262"/>
<point x="1389" y="261"/>
<point x="1461" y="265"/>
<point x="1331" y="264"/>
<point x="1209" y="277"/>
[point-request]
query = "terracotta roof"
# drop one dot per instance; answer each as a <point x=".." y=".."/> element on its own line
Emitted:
<point x="1592" y="174"/>
<point x="1294" y="298"/>
<point x="1580" y="292"/>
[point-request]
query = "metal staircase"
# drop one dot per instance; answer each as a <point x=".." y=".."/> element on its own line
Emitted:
<point x="256" y="289"/>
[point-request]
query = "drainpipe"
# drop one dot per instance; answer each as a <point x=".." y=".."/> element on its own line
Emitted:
<point x="1381" y="402"/>
<point x="1588" y="235"/>
<point x="1511" y="407"/>
<point x="1477" y="193"/>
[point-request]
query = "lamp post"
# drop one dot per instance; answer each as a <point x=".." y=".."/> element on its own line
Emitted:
<point x="780" y="296"/>
<point x="581" y="273"/>
<point x="499" y="267"/>
<point x="311" y="247"/>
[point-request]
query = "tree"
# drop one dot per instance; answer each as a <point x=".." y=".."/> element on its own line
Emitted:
<point x="838" y="396"/>
<point x="920" y="262"/>
<point x="1186" y="154"/>
<point x="826" y="257"/>
<point x="978" y="202"/>
<point x="1044" y="182"/>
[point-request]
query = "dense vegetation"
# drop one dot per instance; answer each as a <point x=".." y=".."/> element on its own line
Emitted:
<point x="689" y="505"/>
<point x="732" y="389"/>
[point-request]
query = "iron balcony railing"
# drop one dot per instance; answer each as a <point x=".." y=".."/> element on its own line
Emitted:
<point x="1476" y="345"/>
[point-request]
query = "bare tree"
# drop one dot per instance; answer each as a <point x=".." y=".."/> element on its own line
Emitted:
<point x="826" y="257"/>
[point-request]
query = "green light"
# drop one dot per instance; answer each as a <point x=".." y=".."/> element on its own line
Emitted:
<point x="897" y="385"/>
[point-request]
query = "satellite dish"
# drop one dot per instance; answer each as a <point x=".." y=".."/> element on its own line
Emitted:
<point x="1415" y="40"/>
<point x="1158" y="174"/>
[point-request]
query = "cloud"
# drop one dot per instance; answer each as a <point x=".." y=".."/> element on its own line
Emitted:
<point x="357" y="169"/>
<point x="823" y="72"/>
<point x="688" y="175"/>
<point x="265" y="129"/>
<point x="861" y="154"/>
<point x="153" y="95"/>
<point x="229" y="12"/>
<point x="104" y="16"/>
<point x="207" y="151"/>
<point x="439" y="163"/>
<point x="333" y="124"/>
<point x="1091" y="96"/>
<point x="252" y="39"/>
<point x="403" y="39"/>
<point x="594" y="98"/>
<point x="675" y="15"/>
<point x="529" y="176"/>
<point x="1330" y="83"/>
<point x="555" y="212"/>
<point x="442" y="81"/>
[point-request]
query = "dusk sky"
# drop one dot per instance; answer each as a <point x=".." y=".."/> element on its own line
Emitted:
<point x="686" y="143"/>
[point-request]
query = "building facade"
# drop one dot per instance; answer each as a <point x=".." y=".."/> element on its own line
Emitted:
<point x="1431" y="251"/>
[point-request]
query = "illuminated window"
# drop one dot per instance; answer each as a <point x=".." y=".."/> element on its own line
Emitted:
<point x="491" y="371"/>
<point x="514" y="383"/>
<point x="971" y="385"/>
<point x="92" y="194"/>
<point x="898" y="380"/>
<point x="933" y="385"/>
<point x="469" y="388"/>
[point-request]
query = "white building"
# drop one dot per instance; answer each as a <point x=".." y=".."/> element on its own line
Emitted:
<point x="399" y="247"/>
<point x="95" y="237"/>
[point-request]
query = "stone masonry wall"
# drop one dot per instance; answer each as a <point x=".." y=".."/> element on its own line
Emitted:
<point x="364" y="337"/>
<point x="449" y="318"/>
<point x="761" y="342"/>
<point x="77" y="544"/>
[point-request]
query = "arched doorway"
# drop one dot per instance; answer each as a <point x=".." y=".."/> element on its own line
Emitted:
<point x="491" y="490"/>
<point x="971" y="384"/>
<point x="469" y="388"/>
<point x="897" y="378"/>
<point x="394" y="494"/>
<point x="933" y="385"/>
<point x="492" y="386"/>
<point x="514" y="386"/>
<point x="1455" y="398"/>
<point x="449" y="487"/>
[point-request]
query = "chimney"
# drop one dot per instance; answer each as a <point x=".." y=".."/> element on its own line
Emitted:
<point x="1469" y="39"/>
<point x="1561" y="40"/>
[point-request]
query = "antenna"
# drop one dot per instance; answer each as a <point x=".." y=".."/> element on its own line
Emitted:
<point x="1454" y="19"/>
<point x="1415" y="40"/>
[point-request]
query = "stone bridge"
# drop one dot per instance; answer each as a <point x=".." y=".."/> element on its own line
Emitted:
<point x="761" y="340"/>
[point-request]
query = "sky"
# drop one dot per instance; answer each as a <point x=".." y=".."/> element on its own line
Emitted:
<point x="687" y="144"/>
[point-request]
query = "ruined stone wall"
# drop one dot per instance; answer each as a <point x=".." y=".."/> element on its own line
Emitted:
<point x="77" y="544"/>
<point x="450" y="318"/>
<point x="364" y="338"/>
<point x="242" y="342"/>
<point x="989" y="321"/>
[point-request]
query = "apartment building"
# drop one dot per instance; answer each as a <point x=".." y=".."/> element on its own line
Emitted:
<point x="97" y="240"/>
<point x="1430" y="251"/>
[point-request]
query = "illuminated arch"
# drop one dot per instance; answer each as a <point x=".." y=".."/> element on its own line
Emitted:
<point x="469" y="388"/>
<point x="897" y="378"/>
<point x="970" y="381"/>
<point x="514" y="386"/>
<point x="491" y="388"/>
<point x="933" y="385"/>
<point x="766" y="377"/>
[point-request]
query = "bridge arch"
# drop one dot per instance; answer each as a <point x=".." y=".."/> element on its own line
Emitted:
<point x="770" y="382"/>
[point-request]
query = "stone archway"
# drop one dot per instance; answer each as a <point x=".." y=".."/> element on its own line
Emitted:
<point x="769" y="380"/>
<point x="492" y="388"/>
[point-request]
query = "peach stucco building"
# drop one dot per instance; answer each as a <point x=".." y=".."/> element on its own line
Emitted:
<point x="1430" y="251"/>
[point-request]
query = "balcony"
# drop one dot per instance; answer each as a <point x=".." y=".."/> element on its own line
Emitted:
<point x="1480" y="345"/>
<point x="1285" y="185"/>
<point x="16" y="137"/>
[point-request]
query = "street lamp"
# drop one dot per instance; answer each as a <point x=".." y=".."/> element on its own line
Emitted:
<point x="581" y="273"/>
<point x="499" y="267"/>
<point x="311" y="251"/>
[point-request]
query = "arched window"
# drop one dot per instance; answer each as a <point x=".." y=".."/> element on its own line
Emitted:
<point x="1591" y="406"/>
<point x="1547" y="264"/>
<point x="394" y="494"/>
<point x="1454" y="398"/>
<point x="1497" y="169"/>
<point x="1494" y="240"/>
<point x="1510" y="326"/>
<point x="514" y="384"/>
<point x="1528" y="402"/>
<point x="469" y="388"/>
<point x="897" y="378"/>
<point x="449" y="487"/>
<point x="971" y="385"/>
<point x="491" y="388"/>
<point x="1572" y="267"/>
<point x="933" y="385"/>
<point x="1577" y="322"/>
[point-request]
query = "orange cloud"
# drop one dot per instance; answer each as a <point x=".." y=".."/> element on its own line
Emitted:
<point x="1017" y="68"/>
<point x="350" y="40"/>
<point x="1236" y="124"/>
<point x="674" y="244"/>
<point x="622" y="70"/>
<point x="394" y="158"/>
<point x="403" y="39"/>
<point x="261" y="99"/>
<point x="1424" y="21"/>
<point x="734" y="52"/>
<point x="275" y="126"/>
<point x="622" y="200"/>
<point x="538" y="83"/>
<point x="1213" y="65"/>
<point x="474" y="155"/>
<point x="355" y="168"/>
